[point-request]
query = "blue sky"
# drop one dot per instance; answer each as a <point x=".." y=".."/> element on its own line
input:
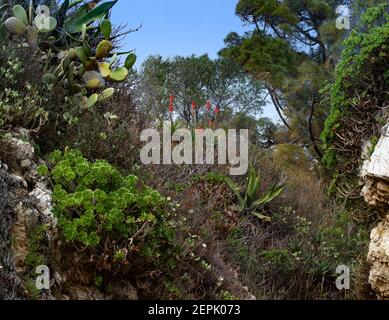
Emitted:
<point x="179" y="27"/>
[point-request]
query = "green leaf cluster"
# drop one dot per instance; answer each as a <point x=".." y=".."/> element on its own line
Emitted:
<point x="249" y="200"/>
<point x="94" y="202"/>
<point x="364" y="48"/>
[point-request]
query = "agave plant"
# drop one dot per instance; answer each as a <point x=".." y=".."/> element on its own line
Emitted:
<point x="249" y="200"/>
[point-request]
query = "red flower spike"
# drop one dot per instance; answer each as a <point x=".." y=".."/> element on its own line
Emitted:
<point x="217" y="110"/>
<point x="171" y="104"/>
<point x="193" y="105"/>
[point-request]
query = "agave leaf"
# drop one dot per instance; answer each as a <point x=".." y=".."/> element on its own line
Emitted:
<point x="234" y="187"/>
<point x="74" y="25"/>
<point x="20" y="13"/>
<point x="256" y="186"/>
<point x="273" y="193"/>
<point x="250" y="186"/>
<point x="261" y="216"/>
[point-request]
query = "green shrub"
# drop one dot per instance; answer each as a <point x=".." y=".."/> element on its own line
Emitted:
<point x="95" y="203"/>
<point x="360" y="84"/>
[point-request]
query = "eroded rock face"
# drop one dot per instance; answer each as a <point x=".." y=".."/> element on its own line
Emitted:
<point x="25" y="201"/>
<point x="375" y="173"/>
<point x="9" y="282"/>
<point x="379" y="258"/>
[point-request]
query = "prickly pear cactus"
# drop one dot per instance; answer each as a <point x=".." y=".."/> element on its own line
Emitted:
<point x="75" y="65"/>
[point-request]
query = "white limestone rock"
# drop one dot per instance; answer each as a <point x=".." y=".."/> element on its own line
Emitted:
<point x="379" y="162"/>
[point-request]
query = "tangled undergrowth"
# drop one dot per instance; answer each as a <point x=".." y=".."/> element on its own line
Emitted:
<point x="295" y="255"/>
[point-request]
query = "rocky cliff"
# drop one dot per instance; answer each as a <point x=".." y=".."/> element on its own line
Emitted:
<point x="376" y="192"/>
<point x="25" y="202"/>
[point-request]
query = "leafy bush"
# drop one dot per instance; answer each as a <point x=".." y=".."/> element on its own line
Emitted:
<point x="95" y="203"/>
<point x="21" y="100"/>
<point x="360" y="89"/>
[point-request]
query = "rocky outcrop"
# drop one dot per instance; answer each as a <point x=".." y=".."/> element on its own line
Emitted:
<point x="9" y="281"/>
<point x="25" y="202"/>
<point x="379" y="259"/>
<point x="375" y="173"/>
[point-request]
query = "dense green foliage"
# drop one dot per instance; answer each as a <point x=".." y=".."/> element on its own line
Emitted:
<point x="360" y="86"/>
<point x="293" y="48"/>
<point x="94" y="203"/>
